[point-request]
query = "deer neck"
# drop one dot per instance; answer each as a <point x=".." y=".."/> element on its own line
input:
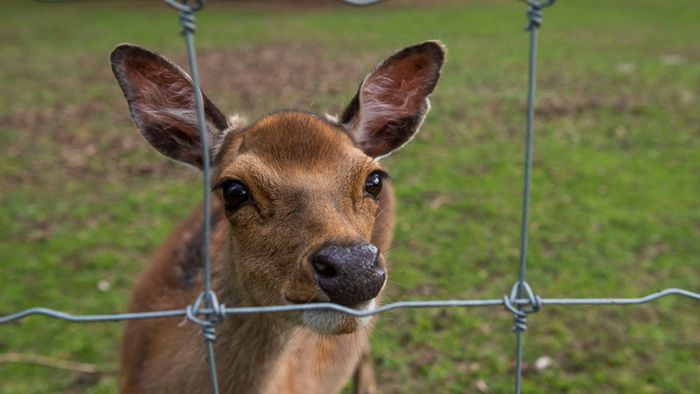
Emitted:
<point x="249" y="351"/>
<point x="249" y="348"/>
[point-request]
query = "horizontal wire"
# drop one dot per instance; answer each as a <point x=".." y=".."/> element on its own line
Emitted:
<point x="339" y="308"/>
<point x="361" y="3"/>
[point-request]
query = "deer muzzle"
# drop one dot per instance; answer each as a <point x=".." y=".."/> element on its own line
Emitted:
<point x="349" y="275"/>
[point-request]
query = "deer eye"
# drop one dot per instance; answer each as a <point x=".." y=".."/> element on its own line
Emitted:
<point x="235" y="194"/>
<point x="373" y="184"/>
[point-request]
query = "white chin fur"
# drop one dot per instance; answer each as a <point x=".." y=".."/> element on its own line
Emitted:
<point x="330" y="322"/>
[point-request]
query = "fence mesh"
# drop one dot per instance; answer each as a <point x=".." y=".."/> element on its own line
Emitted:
<point x="206" y="311"/>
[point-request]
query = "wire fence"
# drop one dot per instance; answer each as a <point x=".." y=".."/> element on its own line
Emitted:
<point x="206" y="311"/>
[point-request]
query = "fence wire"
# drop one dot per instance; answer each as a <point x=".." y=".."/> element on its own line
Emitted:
<point x="225" y="311"/>
<point x="520" y="312"/>
<point x="206" y="311"/>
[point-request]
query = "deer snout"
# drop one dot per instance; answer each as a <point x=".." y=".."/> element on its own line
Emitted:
<point x="349" y="275"/>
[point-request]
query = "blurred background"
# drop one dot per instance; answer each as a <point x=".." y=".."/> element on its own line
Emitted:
<point x="615" y="210"/>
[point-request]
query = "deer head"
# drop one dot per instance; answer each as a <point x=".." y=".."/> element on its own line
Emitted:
<point x="301" y="192"/>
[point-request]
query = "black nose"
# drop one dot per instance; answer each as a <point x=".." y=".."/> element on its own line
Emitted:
<point x="349" y="275"/>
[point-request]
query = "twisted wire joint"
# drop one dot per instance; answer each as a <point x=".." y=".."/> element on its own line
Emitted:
<point x="208" y="324"/>
<point x="186" y="13"/>
<point x="520" y="313"/>
<point x="534" y="13"/>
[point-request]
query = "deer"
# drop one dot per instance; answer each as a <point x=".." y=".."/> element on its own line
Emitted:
<point x="302" y="212"/>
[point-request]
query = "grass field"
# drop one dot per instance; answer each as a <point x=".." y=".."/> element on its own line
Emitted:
<point x="615" y="211"/>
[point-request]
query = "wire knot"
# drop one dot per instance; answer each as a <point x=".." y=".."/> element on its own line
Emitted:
<point x="187" y="11"/>
<point x="187" y="22"/>
<point x="213" y="314"/>
<point x="534" y="13"/>
<point x="519" y="312"/>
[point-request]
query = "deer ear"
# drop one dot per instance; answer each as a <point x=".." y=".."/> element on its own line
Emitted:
<point x="392" y="101"/>
<point x="162" y="104"/>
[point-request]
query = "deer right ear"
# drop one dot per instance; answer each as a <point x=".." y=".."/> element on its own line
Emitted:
<point x="392" y="101"/>
<point x="162" y="104"/>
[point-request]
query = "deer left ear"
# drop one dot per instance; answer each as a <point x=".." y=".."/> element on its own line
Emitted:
<point x="162" y="104"/>
<point x="392" y="101"/>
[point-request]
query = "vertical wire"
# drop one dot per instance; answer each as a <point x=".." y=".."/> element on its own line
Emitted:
<point x="526" y="197"/>
<point x="212" y="367"/>
<point x="528" y="159"/>
<point x="206" y="168"/>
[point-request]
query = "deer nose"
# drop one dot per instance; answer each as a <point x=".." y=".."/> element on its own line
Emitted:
<point x="349" y="275"/>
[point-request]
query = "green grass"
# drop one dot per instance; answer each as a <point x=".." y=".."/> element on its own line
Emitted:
<point x="615" y="208"/>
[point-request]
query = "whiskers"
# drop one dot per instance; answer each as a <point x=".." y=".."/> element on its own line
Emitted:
<point x="333" y="352"/>
<point x="325" y="355"/>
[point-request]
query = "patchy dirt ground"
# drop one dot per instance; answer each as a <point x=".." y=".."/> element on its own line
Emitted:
<point x="280" y="75"/>
<point x="249" y="81"/>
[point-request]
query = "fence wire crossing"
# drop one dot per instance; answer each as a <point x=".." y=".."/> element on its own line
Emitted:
<point x="206" y="311"/>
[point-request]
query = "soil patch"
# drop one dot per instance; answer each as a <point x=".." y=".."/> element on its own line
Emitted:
<point x="279" y="75"/>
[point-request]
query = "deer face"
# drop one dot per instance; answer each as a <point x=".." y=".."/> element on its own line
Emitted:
<point x="301" y="193"/>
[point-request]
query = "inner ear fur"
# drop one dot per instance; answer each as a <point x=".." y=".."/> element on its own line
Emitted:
<point x="392" y="101"/>
<point x="162" y="103"/>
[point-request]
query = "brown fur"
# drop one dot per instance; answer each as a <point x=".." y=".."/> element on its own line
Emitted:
<point x="277" y="349"/>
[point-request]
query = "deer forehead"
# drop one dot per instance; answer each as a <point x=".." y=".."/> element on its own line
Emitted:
<point x="295" y="152"/>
